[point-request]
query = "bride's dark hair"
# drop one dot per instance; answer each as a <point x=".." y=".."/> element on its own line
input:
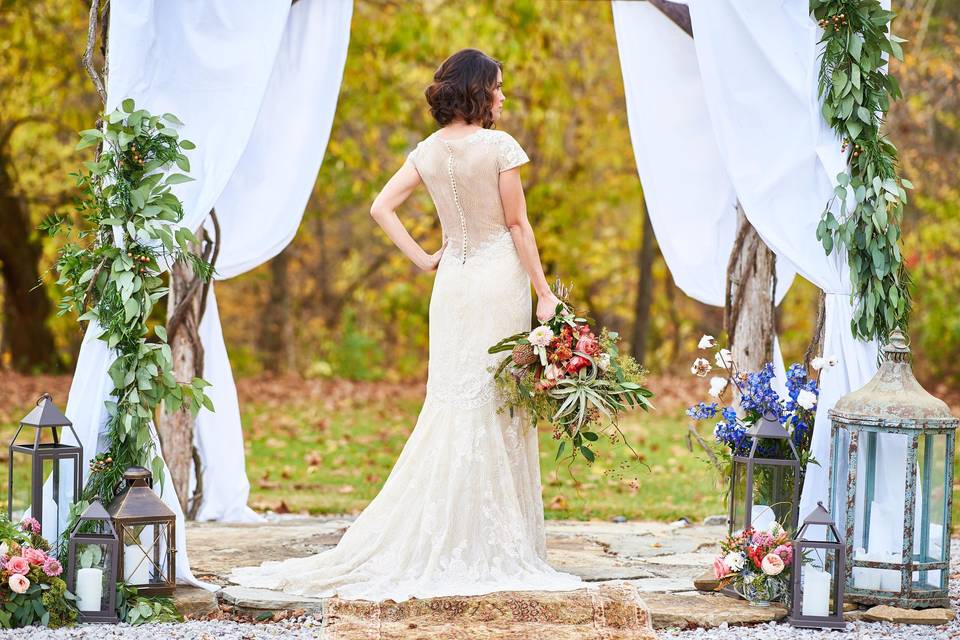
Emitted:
<point x="463" y="87"/>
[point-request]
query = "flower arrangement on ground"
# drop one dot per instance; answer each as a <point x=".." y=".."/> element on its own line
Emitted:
<point x="756" y="397"/>
<point x="756" y="563"/>
<point x="31" y="589"/>
<point x="575" y="379"/>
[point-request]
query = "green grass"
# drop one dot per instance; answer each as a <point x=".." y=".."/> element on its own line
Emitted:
<point x="335" y="462"/>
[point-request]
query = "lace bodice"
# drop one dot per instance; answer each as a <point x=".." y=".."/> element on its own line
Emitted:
<point x="462" y="176"/>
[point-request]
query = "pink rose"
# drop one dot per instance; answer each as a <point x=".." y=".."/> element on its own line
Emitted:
<point x="588" y="345"/>
<point x="18" y="583"/>
<point x="772" y="564"/>
<point x="52" y="567"/>
<point x="785" y="551"/>
<point x="576" y="363"/>
<point x="34" y="556"/>
<point x="18" y="564"/>
<point x="720" y="568"/>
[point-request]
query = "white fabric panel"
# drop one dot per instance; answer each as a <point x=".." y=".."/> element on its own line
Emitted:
<point x="690" y="198"/>
<point x="259" y="212"/>
<point x="263" y="202"/>
<point x="208" y="63"/>
<point x="759" y="64"/>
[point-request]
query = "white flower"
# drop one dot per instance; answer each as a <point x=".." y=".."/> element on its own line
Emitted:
<point x="807" y="399"/>
<point x="603" y="361"/>
<point x="774" y="528"/>
<point x="724" y="359"/>
<point x="700" y="367"/>
<point x="707" y="342"/>
<point x="821" y="362"/>
<point x="735" y="560"/>
<point x="4" y="549"/>
<point x="717" y="385"/>
<point x="552" y="372"/>
<point x="541" y="336"/>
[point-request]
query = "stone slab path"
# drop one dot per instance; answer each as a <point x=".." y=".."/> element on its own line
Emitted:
<point x="658" y="561"/>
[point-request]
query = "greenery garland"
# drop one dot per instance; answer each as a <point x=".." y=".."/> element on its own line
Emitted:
<point x="856" y="95"/>
<point x="112" y="274"/>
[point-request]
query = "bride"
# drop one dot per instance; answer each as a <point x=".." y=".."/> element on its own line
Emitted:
<point x="461" y="512"/>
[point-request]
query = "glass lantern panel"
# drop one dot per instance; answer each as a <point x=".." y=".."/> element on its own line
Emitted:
<point x="879" y="507"/>
<point x="22" y="472"/>
<point x="930" y="534"/>
<point x="138" y="543"/>
<point x="58" y="494"/>
<point x="773" y="495"/>
<point x="93" y="578"/>
<point x="838" y="476"/>
<point x="818" y="575"/>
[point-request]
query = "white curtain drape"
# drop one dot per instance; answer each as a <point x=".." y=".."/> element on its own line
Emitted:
<point x="734" y="112"/>
<point x="228" y="70"/>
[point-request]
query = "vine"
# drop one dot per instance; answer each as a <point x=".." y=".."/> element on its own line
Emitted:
<point x="856" y="94"/>
<point x="112" y="274"/>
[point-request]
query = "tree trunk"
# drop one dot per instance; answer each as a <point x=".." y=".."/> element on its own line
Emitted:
<point x="176" y="428"/>
<point x="25" y="306"/>
<point x="749" y="311"/>
<point x="644" y="290"/>
<point x="276" y="328"/>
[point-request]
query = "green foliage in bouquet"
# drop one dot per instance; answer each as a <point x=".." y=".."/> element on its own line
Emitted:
<point x="578" y="382"/>
<point x="112" y="273"/>
<point x="31" y="589"/>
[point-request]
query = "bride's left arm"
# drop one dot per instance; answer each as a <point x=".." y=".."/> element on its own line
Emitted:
<point x="384" y="211"/>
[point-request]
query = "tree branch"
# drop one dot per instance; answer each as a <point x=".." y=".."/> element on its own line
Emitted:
<point x="88" y="53"/>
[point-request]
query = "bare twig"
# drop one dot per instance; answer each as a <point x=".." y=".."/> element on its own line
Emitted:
<point x="816" y="340"/>
<point x="197" y="498"/>
<point x="88" y="53"/>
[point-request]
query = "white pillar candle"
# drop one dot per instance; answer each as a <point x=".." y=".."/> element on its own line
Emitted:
<point x="136" y="565"/>
<point x="864" y="578"/>
<point x="816" y="592"/>
<point x="762" y="517"/>
<point x="89" y="589"/>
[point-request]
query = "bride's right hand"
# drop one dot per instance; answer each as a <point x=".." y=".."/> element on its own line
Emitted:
<point x="433" y="259"/>
<point x="547" y="307"/>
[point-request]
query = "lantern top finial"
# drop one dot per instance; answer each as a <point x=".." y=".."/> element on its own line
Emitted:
<point x="45" y="414"/>
<point x="893" y="397"/>
<point x="820" y="515"/>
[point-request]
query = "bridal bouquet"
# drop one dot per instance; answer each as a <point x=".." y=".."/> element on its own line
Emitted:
<point x="756" y="563"/>
<point x="31" y="591"/>
<point x="576" y="380"/>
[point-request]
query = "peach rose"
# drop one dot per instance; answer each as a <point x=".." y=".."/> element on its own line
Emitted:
<point x="588" y="345"/>
<point x="18" y="564"/>
<point x="772" y="564"/>
<point x="18" y="583"/>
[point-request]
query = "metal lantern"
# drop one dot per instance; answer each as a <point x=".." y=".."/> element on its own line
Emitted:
<point x="891" y="442"/>
<point x="764" y="487"/>
<point x="92" y="565"/>
<point x="146" y="528"/>
<point x="52" y="462"/>
<point x="819" y="571"/>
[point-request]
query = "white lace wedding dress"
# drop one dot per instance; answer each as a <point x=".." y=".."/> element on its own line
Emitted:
<point x="461" y="512"/>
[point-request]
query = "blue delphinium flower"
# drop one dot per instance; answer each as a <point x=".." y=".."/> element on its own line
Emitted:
<point x="732" y="433"/>
<point x="702" y="411"/>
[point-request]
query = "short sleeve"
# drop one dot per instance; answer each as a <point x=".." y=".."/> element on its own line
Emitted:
<point x="412" y="156"/>
<point x="509" y="153"/>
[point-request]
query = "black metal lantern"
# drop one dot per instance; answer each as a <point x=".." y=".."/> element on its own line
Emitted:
<point x="819" y="571"/>
<point x="53" y="463"/>
<point x="891" y="442"/>
<point x="92" y="565"/>
<point x="146" y="528"/>
<point x="765" y="483"/>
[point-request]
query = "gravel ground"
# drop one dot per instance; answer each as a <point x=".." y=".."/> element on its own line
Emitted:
<point x="307" y="627"/>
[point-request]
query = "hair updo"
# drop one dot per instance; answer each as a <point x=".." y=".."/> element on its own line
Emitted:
<point x="463" y="87"/>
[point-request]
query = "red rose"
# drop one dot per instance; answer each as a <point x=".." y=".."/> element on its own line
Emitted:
<point x="576" y="363"/>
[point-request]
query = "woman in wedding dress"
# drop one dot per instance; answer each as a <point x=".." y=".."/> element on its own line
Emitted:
<point x="461" y="512"/>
